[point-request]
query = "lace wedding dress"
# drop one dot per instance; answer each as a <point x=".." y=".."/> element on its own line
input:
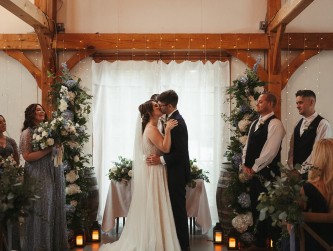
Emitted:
<point x="150" y="225"/>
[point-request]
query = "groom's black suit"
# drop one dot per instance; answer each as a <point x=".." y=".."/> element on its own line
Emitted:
<point x="178" y="166"/>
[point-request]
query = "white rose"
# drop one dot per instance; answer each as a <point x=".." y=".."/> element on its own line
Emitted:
<point x="43" y="145"/>
<point x="259" y="89"/>
<point x="50" y="142"/>
<point x="34" y="136"/>
<point x="130" y="173"/>
<point x="44" y="133"/>
<point x="63" y="105"/>
<point x="73" y="189"/>
<point x="71" y="96"/>
<point x="72" y="176"/>
<point x="76" y="158"/>
<point x="38" y="137"/>
<point x="40" y="129"/>
<point x="243" y="124"/>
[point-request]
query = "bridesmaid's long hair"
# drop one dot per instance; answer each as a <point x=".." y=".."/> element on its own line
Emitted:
<point x="145" y="110"/>
<point x="29" y="116"/>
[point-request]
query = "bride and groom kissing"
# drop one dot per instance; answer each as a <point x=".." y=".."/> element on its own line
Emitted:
<point x="157" y="218"/>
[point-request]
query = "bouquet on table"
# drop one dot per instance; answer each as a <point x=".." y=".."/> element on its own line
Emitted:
<point x="122" y="170"/>
<point x="196" y="173"/>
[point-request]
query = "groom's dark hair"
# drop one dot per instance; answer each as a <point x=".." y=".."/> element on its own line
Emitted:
<point x="168" y="97"/>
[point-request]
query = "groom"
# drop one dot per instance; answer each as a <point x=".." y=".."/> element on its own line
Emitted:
<point x="178" y="165"/>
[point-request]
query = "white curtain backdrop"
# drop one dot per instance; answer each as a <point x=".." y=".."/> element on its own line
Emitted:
<point x="120" y="87"/>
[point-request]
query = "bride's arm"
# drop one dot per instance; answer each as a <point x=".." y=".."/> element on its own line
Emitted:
<point x="162" y="143"/>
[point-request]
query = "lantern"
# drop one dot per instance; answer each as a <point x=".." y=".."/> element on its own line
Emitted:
<point x="217" y="234"/>
<point x="232" y="242"/>
<point x="80" y="238"/>
<point x="270" y="243"/>
<point x="96" y="232"/>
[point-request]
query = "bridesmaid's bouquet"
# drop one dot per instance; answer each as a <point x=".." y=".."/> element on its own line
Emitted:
<point x="56" y="132"/>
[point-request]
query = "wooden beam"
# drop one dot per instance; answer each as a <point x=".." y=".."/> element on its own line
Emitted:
<point x="19" y="56"/>
<point x="277" y="49"/>
<point x="29" y="13"/>
<point x="77" y="57"/>
<point x="288" y="12"/>
<point x="157" y="42"/>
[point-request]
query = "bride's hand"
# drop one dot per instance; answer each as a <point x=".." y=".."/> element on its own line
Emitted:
<point x="171" y="123"/>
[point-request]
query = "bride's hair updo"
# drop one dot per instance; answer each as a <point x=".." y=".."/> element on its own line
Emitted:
<point x="145" y="110"/>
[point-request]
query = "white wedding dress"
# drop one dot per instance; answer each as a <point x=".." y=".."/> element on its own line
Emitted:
<point x="150" y="224"/>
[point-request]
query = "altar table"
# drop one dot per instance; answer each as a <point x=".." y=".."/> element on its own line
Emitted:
<point x="119" y="198"/>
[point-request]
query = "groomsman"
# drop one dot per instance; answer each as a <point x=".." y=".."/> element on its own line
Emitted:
<point x="261" y="154"/>
<point x="308" y="130"/>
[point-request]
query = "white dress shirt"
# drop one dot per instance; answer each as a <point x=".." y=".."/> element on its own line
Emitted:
<point x="272" y="145"/>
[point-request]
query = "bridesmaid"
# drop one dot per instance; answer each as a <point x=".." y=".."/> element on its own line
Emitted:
<point x="8" y="147"/>
<point x="46" y="227"/>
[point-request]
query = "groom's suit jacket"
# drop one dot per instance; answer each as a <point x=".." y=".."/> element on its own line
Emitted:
<point x="178" y="168"/>
<point x="177" y="160"/>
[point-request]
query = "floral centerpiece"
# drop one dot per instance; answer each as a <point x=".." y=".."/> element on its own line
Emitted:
<point x="196" y="173"/>
<point x="16" y="195"/>
<point x="68" y="127"/>
<point x="283" y="202"/>
<point x="243" y="95"/>
<point x="121" y="171"/>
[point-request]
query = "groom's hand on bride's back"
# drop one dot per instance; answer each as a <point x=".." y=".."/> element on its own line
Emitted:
<point x="153" y="159"/>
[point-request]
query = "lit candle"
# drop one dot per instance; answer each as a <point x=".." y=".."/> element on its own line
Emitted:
<point x="79" y="240"/>
<point x="232" y="242"/>
<point x="218" y="237"/>
<point x="95" y="235"/>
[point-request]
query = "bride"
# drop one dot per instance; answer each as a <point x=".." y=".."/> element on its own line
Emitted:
<point x="150" y="224"/>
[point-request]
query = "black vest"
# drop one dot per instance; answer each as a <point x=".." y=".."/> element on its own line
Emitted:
<point x="303" y="144"/>
<point x="255" y="143"/>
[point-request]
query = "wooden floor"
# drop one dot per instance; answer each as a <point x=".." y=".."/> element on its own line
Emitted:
<point x="198" y="242"/>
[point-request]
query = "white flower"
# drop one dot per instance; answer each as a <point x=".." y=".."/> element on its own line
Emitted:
<point x="76" y="158"/>
<point x="43" y="145"/>
<point x="130" y="173"/>
<point x="63" y="105"/>
<point x="50" y="142"/>
<point x="34" y="136"/>
<point x="243" y="125"/>
<point x="40" y="129"/>
<point x="71" y="96"/>
<point x="73" y="189"/>
<point x="72" y="176"/>
<point x="72" y="144"/>
<point x="44" y="133"/>
<point x="243" y="140"/>
<point x="259" y="89"/>
<point x="64" y="133"/>
<point x="242" y="221"/>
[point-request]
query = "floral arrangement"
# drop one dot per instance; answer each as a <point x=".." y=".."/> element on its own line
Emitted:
<point x="196" y="173"/>
<point x="68" y="126"/>
<point x="283" y="201"/>
<point x="243" y="95"/>
<point x="122" y="170"/>
<point x="15" y="195"/>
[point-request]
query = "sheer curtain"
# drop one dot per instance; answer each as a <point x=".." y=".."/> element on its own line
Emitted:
<point x="120" y="87"/>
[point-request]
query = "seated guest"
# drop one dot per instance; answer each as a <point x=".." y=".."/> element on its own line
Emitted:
<point x="319" y="192"/>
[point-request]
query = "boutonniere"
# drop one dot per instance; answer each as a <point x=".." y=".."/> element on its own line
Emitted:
<point x="261" y="122"/>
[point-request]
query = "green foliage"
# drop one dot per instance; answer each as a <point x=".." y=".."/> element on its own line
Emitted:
<point x="197" y="173"/>
<point x="122" y="170"/>
<point x="283" y="201"/>
<point x="16" y="194"/>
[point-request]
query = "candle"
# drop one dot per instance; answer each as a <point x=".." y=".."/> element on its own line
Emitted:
<point x="232" y="242"/>
<point x="95" y="235"/>
<point x="79" y="240"/>
<point x="218" y="237"/>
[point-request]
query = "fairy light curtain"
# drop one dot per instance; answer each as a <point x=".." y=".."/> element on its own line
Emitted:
<point x="118" y="89"/>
